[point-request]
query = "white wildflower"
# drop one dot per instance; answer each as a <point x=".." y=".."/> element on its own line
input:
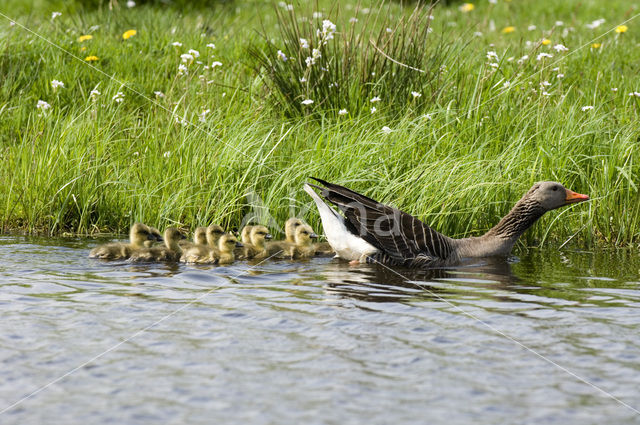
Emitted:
<point x="386" y="130"/>
<point x="307" y="102"/>
<point x="373" y="110"/>
<point x="635" y="93"/>
<point x="182" y="69"/>
<point x="587" y="108"/>
<point x="427" y="116"/>
<point x="282" y="56"/>
<point x="595" y="24"/>
<point x="353" y="20"/>
<point x="545" y="84"/>
<point x="131" y="4"/>
<point x="475" y="34"/>
<point x="158" y="93"/>
<point x="416" y="94"/>
<point x="194" y="53"/>
<point x="560" y="48"/>
<point x="303" y="80"/>
<point x="492" y="55"/>
<point x="328" y="29"/>
<point x="186" y="57"/>
<point x="506" y="85"/>
<point x="559" y="76"/>
<point x="494" y="65"/>
<point x="559" y="23"/>
<point x="94" y="94"/>
<point x="523" y="59"/>
<point x="54" y="15"/>
<point x="317" y="15"/>
<point x="544" y="93"/>
<point x="55" y="84"/>
<point x="216" y="63"/>
<point x="389" y="30"/>
<point x="119" y="97"/>
<point x="614" y="89"/>
<point x="532" y="27"/>
<point x="304" y="44"/>
<point x="211" y="46"/>
<point x="375" y="99"/>
<point x="543" y="55"/>
<point x="177" y="44"/>
<point x="167" y="154"/>
<point x="342" y="112"/>
<point x="42" y="105"/>
<point x="202" y="117"/>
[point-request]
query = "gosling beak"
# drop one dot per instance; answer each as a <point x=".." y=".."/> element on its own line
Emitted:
<point x="313" y="236"/>
<point x="268" y="236"/>
<point x="573" y="197"/>
<point x="239" y="245"/>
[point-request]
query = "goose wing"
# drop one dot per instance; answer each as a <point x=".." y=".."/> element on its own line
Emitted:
<point x="401" y="236"/>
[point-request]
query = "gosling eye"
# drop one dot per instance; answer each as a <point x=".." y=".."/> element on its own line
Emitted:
<point x="554" y="188"/>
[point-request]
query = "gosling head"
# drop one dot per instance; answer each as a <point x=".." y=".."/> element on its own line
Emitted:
<point x="172" y="236"/>
<point x="552" y="195"/>
<point x="246" y="234"/>
<point x="227" y="243"/>
<point x="259" y="234"/>
<point x="304" y="235"/>
<point x="139" y="233"/>
<point x="200" y="236"/>
<point x="290" y="227"/>
<point x="213" y="234"/>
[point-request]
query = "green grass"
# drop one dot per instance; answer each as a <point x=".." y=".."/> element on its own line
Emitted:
<point x="459" y="156"/>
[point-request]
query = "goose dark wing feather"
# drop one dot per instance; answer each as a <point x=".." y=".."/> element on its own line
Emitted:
<point x="401" y="236"/>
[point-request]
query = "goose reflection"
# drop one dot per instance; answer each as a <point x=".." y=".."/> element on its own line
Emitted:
<point x="377" y="283"/>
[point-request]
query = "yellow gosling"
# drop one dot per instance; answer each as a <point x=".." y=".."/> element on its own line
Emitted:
<point x="138" y="234"/>
<point x="226" y="245"/>
<point x="257" y="248"/>
<point x="171" y="250"/>
<point x="304" y="246"/>
<point x="246" y="234"/>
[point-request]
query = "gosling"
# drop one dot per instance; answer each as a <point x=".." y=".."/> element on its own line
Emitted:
<point x="156" y="233"/>
<point x="138" y="234"/>
<point x="304" y="246"/>
<point x="285" y="248"/>
<point x="226" y="245"/>
<point x="199" y="238"/>
<point x="257" y="248"/>
<point x="171" y="251"/>
<point x="213" y="234"/>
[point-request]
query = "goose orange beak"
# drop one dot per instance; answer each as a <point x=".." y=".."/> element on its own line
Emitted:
<point x="573" y="197"/>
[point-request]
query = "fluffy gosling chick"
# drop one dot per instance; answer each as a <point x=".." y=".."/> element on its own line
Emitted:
<point x="225" y="252"/>
<point x="138" y="234"/>
<point x="257" y="248"/>
<point x="213" y="235"/>
<point x="304" y="246"/>
<point x="156" y="233"/>
<point x="171" y="250"/>
<point x="199" y="238"/>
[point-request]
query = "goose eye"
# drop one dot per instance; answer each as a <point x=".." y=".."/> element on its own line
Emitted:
<point x="554" y="188"/>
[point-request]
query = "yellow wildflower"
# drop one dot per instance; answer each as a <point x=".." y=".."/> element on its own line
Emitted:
<point x="466" y="7"/>
<point x="129" y="34"/>
<point x="508" y="30"/>
<point x="621" y="29"/>
<point x="546" y="42"/>
<point x="82" y="49"/>
<point x="91" y="58"/>
<point x="84" y="38"/>
<point x="596" y="45"/>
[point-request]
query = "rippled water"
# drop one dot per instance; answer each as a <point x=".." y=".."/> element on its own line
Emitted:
<point x="317" y="341"/>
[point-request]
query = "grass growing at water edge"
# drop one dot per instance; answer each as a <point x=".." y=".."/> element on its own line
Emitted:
<point x="487" y="124"/>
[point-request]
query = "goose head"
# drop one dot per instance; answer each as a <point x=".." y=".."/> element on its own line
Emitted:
<point x="290" y="227"/>
<point x="139" y="233"/>
<point x="213" y="234"/>
<point x="246" y="234"/>
<point x="258" y="235"/>
<point x="227" y="243"/>
<point x="172" y="236"/>
<point x="552" y="195"/>
<point x="304" y="235"/>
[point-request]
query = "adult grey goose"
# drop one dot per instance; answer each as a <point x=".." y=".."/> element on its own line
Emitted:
<point x="373" y="232"/>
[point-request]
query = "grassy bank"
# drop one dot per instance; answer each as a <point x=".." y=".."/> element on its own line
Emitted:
<point x="479" y="130"/>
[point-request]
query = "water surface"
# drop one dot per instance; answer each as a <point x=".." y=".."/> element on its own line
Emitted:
<point x="317" y="341"/>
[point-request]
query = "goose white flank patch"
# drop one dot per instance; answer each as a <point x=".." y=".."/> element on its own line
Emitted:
<point x="346" y="244"/>
<point x="376" y="233"/>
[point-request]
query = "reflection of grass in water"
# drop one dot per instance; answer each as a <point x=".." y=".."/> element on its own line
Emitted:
<point x="88" y="165"/>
